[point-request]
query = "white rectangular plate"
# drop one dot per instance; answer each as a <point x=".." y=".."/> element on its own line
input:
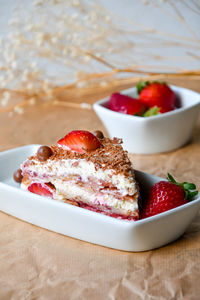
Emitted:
<point x="86" y="225"/>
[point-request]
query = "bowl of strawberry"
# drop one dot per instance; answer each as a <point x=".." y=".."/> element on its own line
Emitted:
<point x="150" y="118"/>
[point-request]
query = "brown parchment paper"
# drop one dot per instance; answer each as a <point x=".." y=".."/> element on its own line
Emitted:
<point x="38" y="264"/>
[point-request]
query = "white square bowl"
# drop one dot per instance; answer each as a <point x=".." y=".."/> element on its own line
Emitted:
<point x="87" y="225"/>
<point x="161" y="133"/>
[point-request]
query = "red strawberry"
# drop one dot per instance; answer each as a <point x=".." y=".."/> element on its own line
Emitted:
<point x="165" y="195"/>
<point x="126" y="105"/>
<point x="41" y="189"/>
<point x="80" y="141"/>
<point x="156" y="94"/>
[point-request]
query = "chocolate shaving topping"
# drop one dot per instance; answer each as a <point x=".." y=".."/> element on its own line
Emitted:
<point x="109" y="156"/>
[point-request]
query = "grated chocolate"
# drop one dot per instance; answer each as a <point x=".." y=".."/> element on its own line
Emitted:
<point x="109" y="156"/>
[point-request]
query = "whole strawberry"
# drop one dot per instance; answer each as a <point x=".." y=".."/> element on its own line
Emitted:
<point x="166" y="195"/>
<point x="156" y="94"/>
<point x="126" y="104"/>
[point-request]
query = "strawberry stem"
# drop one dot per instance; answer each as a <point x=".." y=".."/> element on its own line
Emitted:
<point x="153" y="111"/>
<point x="141" y="85"/>
<point x="188" y="187"/>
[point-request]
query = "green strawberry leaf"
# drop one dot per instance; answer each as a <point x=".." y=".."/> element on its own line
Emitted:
<point x="141" y="85"/>
<point x="192" y="195"/>
<point x="170" y="178"/>
<point x="186" y="194"/>
<point x="188" y="187"/>
<point x="153" y="111"/>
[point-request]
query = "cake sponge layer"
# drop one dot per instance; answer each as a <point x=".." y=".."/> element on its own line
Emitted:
<point x="63" y="191"/>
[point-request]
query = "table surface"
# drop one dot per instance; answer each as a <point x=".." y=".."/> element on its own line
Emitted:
<point x="38" y="264"/>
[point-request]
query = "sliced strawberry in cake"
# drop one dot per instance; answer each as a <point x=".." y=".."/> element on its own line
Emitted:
<point x="87" y="170"/>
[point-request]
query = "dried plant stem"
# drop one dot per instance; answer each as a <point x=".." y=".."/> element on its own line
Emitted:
<point x="150" y="30"/>
<point x="89" y="92"/>
<point x="135" y="70"/>
<point x="175" y="36"/>
<point x="105" y="63"/>
<point x="196" y="3"/>
<point x="70" y="104"/>
<point x="190" y="7"/>
<point x="13" y="107"/>
<point x="193" y="55"/>
<point x="182" y="19"/>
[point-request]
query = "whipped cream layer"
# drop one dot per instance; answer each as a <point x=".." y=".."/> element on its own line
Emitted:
<point x="85" y="170"/>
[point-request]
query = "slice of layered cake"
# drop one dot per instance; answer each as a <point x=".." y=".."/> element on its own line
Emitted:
<point x="87" y="170"/>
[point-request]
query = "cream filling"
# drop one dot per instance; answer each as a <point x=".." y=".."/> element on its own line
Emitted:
<point x="73" y="191"/>
<point x="85" y="169"/>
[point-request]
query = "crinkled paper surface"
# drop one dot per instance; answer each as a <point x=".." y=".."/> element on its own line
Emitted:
<point x="38" y="264"/>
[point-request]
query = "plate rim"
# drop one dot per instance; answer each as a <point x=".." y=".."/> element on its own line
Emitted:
<point x="109" y="219"/>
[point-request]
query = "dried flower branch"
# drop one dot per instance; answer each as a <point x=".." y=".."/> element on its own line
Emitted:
<point x="78" y="47"/>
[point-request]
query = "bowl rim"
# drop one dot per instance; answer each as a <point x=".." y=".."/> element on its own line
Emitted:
<point x="98" y="105"/>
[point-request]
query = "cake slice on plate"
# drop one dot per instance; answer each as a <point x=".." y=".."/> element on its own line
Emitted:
<point x="87" y="170"/>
